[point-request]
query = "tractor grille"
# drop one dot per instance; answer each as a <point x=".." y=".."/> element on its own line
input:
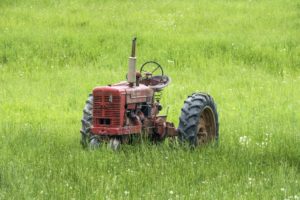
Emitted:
<point x="106" y="109"/>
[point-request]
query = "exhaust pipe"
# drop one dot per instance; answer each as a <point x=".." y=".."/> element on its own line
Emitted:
<point x="131" y="76"/>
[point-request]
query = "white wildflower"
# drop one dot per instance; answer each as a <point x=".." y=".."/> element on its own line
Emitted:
<point x="244" y="140"/>
<point x="250" y="180"/>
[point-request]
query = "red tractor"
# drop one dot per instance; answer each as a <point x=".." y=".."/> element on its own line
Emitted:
<point x="114" y="113"/>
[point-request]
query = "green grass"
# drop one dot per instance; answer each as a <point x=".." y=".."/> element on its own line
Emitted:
<point x="246" y="54"/>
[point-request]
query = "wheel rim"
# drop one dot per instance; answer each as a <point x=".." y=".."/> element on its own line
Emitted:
<point x="114" y="144"/>
<point x="94" y="143"/>
<point x="206" y="126"/>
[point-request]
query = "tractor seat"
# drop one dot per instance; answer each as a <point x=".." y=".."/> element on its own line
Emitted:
<point x="157" y="83"/>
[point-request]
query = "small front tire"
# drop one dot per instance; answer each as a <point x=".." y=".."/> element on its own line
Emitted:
<point x="87" y="120"/>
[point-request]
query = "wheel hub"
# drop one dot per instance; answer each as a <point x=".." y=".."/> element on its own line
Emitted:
<point x="206" y="127"/>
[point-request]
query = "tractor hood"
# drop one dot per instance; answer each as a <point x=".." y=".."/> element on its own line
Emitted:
<point x="137" y="94"/>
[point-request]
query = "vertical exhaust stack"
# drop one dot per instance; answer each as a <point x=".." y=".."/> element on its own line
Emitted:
<point x="131" y="76"/>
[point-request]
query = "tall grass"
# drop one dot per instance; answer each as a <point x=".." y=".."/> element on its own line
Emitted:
<point x="244" y="53"/>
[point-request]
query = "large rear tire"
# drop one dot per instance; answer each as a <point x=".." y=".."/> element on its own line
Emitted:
<point x="87" y="120"/>
<point x="198" y="123"/>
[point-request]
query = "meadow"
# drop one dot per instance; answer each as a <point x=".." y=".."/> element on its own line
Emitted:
<point x="246" y="54"/>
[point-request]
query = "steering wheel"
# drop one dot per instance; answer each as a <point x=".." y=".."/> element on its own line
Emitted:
<point x="152" y="72"/>
<point x="150" y="69"/>
<point x="152" y="75"/>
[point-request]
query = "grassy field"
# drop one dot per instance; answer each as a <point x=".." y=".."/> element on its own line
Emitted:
<point x="246" y="54"/>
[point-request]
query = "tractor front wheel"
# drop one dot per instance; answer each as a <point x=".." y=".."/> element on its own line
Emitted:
<point x="87" y="120"/>
<point x="199" y="120"/>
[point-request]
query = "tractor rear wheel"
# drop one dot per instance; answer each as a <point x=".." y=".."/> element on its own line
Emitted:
<point x="87" y="120"/>
<point x="198" y="123"/>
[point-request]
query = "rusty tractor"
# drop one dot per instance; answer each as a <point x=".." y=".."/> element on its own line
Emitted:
<point x="116" y="112"/>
